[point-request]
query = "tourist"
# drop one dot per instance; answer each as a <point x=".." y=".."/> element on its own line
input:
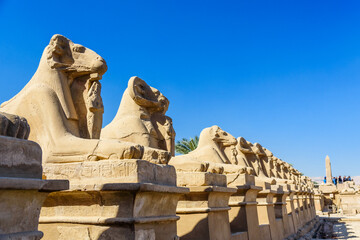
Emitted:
<point x="334" y="180"/>
<point x="345" y="179"/>
<point x="349" y="178"/>
<point x="325" y="179"/>
<point x="340" y="180"/>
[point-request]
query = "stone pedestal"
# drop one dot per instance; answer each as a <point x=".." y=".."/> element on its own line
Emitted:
<point x="290" y="208"/>
<point x="309" y="205"/>
<point x="350" y="202"/>
<point x="204" y="210"/>
<point x="307" y="214"/>
<point x="329" y="191"/>
<point x="281" y="215"/>
<point x="319" y="203"/>
<point x="302" y="214"/>
<point x="312" y="205"/>
<point x="266" y="214"/>
<point x="112" y="199"/>
<point x="297" y="216"/>
<point x="310" y="198"/>
<point x="328" y="188"/>
<point x="22" y="191"/>
<point x="243" y="214"/>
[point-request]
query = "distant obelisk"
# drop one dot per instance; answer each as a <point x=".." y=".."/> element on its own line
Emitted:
<point x="328" y="170"/>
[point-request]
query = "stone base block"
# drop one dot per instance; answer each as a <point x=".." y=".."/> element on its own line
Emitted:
<point x="112" y="199"/>
<point x="20" y="203"/>
<point x="200" y="179"/>
<point x="19" y="158"/>
<point x="243" y="214"/>
<point x="112" y="211"/>
<point x="204" y="213"/>
<point x="33" y="235"/>
<point x="240" y="179"/>
<point x="349" y="203"/>
<point x="264" y="232"/>
<point x="266" y="213"/>
<point x="112" y="171"/>
<point x="328" y="188"/>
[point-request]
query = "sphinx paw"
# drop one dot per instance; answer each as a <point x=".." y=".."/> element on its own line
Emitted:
<point x="14" y="126"/>
<point x="156" y="155"/>
<point x="164" y="157"/>
<point x="133" y="152"/>
<point x="204" y="166"/>
<point x="213" y="168"/>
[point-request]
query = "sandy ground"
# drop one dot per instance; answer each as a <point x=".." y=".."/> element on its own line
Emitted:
<point x="347" y="230"/>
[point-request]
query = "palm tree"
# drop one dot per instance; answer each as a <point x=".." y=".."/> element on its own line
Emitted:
<point x="184" y="146"/>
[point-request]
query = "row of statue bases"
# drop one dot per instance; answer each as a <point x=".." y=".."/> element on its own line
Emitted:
<point x="75" y="180"/>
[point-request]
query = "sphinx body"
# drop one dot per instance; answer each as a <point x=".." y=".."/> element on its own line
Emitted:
<point x="264" y="158"/>
<point x="215" y="153"/>
<point x="280" y="171"/>
<point x="252" y="159"/>
<point x="293" y="174"/>
<point x="63" y="106"/>
<point x="141" y="119"/>
<point x="270" y="163"/>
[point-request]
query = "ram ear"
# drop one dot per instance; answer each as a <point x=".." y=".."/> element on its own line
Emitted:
<point x="142" y="93"/>
<point x="58" y="52"/>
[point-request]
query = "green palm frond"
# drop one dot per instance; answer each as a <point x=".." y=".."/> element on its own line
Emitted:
<point x="184" y="146"/>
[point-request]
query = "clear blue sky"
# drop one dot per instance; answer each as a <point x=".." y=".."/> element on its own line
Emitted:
<point x="281" y="73"/>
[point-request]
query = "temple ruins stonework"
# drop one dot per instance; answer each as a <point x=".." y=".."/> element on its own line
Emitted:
<point x="74" y="180"/>
<point x="343" y="197"/>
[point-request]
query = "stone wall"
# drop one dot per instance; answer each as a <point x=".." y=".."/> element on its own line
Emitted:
<point x="124" y="181"/>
